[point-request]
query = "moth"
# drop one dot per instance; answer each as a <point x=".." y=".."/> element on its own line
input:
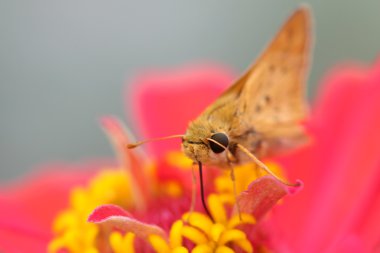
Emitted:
<point x="260" y="113"/>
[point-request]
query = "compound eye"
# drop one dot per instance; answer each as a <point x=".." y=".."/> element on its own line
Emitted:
<point x="220" y="138"/>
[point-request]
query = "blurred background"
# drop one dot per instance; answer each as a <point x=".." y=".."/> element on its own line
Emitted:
<point x="64" y="64"/>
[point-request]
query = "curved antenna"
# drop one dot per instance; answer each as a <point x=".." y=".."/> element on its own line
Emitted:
<point x="230" y="155"/>
<point x="217" y="143"/>
<point x="136" y="144"/>
<point x="258" y="162"/>
<point x="264" y="167"/>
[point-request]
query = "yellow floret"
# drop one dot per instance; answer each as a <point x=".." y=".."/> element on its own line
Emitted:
<point x="122" y="243"/>
<point x="209" y="236"/>
<point x="179" y="160"/>
<point x="73" y="232"/>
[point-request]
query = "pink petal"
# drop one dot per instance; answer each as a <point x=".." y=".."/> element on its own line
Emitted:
<point x="131" y="160"/>
<point x="349" y="244"/>
<point x="21" y="241"/>
<point x="29" y="206"/>
<point x="163" y="102"/>
<point x="115" y="217"/>
<point x="341" y="170"/>
<point x="353" y="167"/>
<point x="261" y="195"/>
<point x="119" y="137"/>
<point x="104" y="212"/>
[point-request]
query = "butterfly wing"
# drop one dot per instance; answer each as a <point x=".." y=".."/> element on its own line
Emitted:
<point x="270" y="95"/>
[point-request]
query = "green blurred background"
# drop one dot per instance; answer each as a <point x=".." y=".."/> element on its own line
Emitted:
<point x="63" y="64"/>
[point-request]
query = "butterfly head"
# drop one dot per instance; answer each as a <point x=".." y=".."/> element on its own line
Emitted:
<point x="205" y="146"/>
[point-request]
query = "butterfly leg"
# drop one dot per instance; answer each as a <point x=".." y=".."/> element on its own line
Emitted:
<point x="193" y="192"/>
<point x="233" y="179"/>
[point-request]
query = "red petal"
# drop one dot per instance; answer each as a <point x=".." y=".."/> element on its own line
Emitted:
<point x="104" y="212"/>
<point x="261" y="195"/>
<point x="131" y="160"/>
<point x="22" y="241"/>
<point x="163" y="102"/>
<point x="28" y="207"/>
<point x="115" y="217"/>
<point x="119" y="137"/>
<point x="342" y="170"/>
<point x="349" y="244"/>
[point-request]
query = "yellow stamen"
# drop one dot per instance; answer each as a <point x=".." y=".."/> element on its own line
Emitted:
<point x="77" y="236"/>
<point x="179" y="160"/>
<point x="175" y="236"/>
<point x="198" y="220"/>
<point x="244" y="245"/>
<point x="245" y="219"/>
<point x="217" y="209"/>
<point x="231" y="235"/>
<point x="204" y="248"/>
<point x="216" y="230"/>
<point x="194" y="235"/>
<point x="173" y="189"/>
<point x="120" y="243"/>
<point x="180" y="250"/>
<point x="227" y="198"/>
<point x="158" y="244"/>
<point x="224" y="249"/>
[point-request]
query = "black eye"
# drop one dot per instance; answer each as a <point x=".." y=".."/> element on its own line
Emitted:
<point x="222" y="139"/>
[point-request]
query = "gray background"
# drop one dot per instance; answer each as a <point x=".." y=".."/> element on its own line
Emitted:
<point x="63" y="64"/>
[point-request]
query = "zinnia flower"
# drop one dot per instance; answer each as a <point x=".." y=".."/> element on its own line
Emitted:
<point x="142" y="205"/>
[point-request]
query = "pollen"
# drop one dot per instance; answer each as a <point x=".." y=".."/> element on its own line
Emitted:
<point x="172" y="188"/>
<point x="218" y="236"/>
<point x="193" y="232"/>
<point x="174" y="245"/>
<point x="73" y="233"/>
<point x="122" y="243"/>
<point x="179" y="160"/>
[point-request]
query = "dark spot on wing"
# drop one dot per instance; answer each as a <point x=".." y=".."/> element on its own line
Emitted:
<point x="258" y="108"/>
<point x="272" y="68"/>
<point x="267" y="99"/>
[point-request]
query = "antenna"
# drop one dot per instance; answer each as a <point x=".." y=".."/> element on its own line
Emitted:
<point x="136" y="144"/>
<point x="264" y="167"/>
<point x="258" y="162"/>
